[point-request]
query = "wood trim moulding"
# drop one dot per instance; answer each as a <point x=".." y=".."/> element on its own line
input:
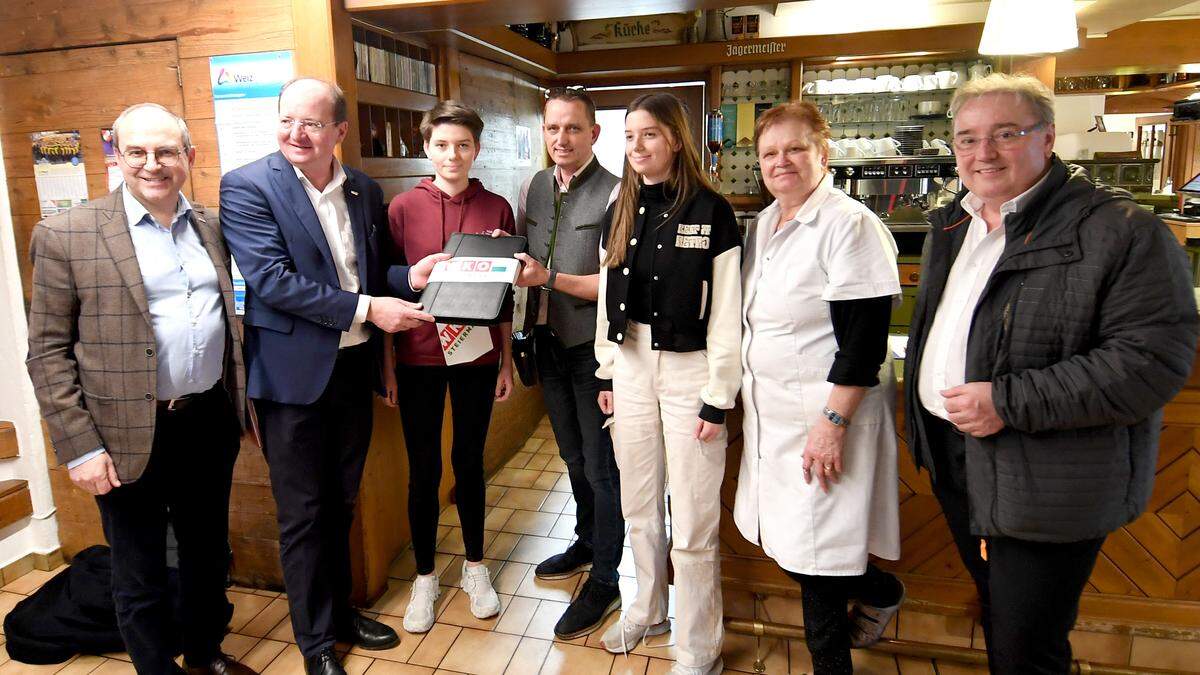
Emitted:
<point x="9" y="447"/>
<point x="858" y="46"/>
<point x="394" y="97"/>
<point x="957" y="597"/>
<point x="497" y="44"/>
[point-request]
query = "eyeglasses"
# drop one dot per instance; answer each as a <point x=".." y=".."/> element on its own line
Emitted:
<point x="137" y="157"/>
<point x="309" y="126"/>
<point x="559" y="92"/>
<point x="1006" y="138"/>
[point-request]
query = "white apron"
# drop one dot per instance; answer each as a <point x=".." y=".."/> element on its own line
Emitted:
<point x="834" y="249"/>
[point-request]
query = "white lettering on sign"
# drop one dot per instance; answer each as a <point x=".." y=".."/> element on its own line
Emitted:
<point x="705" y="229"/>
<point x="755" y="49"/>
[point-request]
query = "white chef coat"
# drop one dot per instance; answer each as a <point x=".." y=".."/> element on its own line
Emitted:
<point x="834" y="249"/>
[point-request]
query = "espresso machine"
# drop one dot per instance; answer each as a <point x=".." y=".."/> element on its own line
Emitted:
<point x="898" y="189"/>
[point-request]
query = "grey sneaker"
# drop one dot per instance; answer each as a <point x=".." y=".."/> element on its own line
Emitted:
<point x="418" y="616"/>
<point x="867" y="623"/>
<point x="625" y="635"/>
<point x="477" y="583"/>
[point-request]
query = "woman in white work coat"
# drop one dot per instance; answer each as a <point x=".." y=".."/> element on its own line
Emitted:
<point x="817" y="488"/>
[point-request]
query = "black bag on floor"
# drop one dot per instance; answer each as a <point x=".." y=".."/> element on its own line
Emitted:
<point x="73" y="613"/>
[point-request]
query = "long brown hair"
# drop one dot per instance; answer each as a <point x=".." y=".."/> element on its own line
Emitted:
<point x="687" y="173"/>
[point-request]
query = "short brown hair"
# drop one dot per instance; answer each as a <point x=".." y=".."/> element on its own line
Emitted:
<point x="451" y="112"/>
<point x="572" y="95"/>
<point x="799" y="111"/>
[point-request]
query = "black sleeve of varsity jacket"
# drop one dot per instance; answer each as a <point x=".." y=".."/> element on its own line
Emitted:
<point x="860" y="328"/>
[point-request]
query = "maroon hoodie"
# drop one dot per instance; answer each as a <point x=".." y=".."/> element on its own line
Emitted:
<point x="421" y="221"/>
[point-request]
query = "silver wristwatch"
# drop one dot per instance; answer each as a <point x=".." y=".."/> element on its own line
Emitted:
<point x="835" y="417"/>
<point x="550" y="278"/>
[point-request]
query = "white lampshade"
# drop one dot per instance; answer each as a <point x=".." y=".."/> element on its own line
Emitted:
<point x="1029" y="27"/>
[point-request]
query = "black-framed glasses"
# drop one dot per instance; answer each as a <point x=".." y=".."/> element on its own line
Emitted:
<point x="1005" y="138"/>
<point x="286" y="124"/>
<point x="138" y="157"/>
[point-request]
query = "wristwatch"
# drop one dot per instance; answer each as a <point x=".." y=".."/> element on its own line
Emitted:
<point x="837" y="418"/>
<point x="549" y="285"/>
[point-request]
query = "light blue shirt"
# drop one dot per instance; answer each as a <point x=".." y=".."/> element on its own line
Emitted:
<point x="184" y="299"/>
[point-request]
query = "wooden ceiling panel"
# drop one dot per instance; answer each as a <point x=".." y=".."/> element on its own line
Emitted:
<point x="403" y="16"/>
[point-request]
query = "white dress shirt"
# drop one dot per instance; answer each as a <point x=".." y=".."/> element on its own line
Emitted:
<point x="944" y="362"/>
<point x="334" y="215"/>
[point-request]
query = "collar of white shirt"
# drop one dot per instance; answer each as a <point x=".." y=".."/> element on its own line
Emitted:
<point x="563" y="186"/>
<point x="339" y="177"/>
<point x="973" y="205"/>
<point x="135" y="211"/>
<point x="808" y="211"/>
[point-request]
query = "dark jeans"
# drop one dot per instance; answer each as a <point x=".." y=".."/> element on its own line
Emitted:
<point x="186" y="483"/>
<point x="316" y="454"/>
<point x="826" y="624"/>
<point x="570" y="388"/>
<point x="1028" y="591"/>
<point x="422" y="406"/>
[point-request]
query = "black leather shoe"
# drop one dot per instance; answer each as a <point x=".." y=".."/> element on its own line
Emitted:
<point x="367" y="633"/>
<point x="222" y="665"/>
<point x="577" y="558"/>
<point x="325" y="663"/>
<point x="596" y="600"/>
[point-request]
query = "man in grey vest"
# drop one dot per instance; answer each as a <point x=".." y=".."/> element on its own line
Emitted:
<point x="562" y="211"/>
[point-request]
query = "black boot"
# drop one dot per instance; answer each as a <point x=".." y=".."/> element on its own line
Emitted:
<point x="596" y="600"/>
<point x="577" y="558"/>
<point x="366" y="633"/>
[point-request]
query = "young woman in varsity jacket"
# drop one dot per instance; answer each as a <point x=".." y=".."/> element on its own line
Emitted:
<point x="668" y="335"/>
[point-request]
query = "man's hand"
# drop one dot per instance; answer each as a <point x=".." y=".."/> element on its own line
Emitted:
<point x="394" y="314"/>
<point x="971" y="409"/>
<point x="533" y="273"/>
<point x="418" y="275"/>
<point x="97" y="476"/>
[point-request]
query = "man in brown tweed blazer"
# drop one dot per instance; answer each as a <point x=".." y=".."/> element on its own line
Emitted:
<point x="138" y="372"/>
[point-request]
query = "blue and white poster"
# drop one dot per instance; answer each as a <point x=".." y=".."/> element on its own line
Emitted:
<point x="245" y="95"/>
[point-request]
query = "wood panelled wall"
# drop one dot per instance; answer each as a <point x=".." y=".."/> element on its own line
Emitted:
<point x="1147" y="571"/>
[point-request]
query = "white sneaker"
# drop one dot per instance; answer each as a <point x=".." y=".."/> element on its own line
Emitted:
<point x="418" y="617"/>
<point x="625" y="635"/>
<point x="477" y="583"/>
<point x="712" y="669"/>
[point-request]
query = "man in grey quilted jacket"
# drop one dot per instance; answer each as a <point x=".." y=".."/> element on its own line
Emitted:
<point x="1055" y="320"/>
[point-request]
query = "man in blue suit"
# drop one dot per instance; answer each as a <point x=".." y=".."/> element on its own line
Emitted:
<point x="311" y="238"/>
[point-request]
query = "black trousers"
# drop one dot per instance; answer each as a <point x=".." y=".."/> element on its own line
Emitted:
<point x="316" y="455"/>
<point x="186" y="483"/>
<point x="422" y="401"/>
<point x="826" y="624"/>
<point x="1028" y="591"/>
<point x="570" y="388"/>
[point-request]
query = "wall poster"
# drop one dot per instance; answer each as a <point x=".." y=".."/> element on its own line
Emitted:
<point x="58" y="171"/>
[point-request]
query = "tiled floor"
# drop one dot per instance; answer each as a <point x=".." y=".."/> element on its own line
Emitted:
<point x="530" y="515"/>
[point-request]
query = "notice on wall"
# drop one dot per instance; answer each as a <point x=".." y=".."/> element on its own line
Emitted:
<point x="58" y="171"/>
<point x="245" y="101"/>
<point x="112" y="171"/>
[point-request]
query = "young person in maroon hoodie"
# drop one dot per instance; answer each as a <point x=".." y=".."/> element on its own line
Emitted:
<point x="421" y="222"/>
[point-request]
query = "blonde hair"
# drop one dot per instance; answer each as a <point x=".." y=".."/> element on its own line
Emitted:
<point x="687" y="174"/>
<point x="1025" y="87"/>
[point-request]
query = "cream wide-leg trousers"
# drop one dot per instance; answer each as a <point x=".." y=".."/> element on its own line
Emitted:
<point x="656" y="404"/>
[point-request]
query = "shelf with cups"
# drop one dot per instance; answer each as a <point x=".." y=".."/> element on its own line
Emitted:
<point x="746" y="94"/>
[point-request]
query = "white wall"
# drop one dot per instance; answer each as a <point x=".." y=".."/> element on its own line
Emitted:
<point x="38" y="534"/>
<point x="1076" y="113"/>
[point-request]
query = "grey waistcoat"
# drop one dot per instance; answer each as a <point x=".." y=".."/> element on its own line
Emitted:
<point x="575" y="233"/>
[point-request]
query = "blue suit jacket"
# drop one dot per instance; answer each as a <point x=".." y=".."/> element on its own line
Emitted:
<point x="296" y="310"/>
